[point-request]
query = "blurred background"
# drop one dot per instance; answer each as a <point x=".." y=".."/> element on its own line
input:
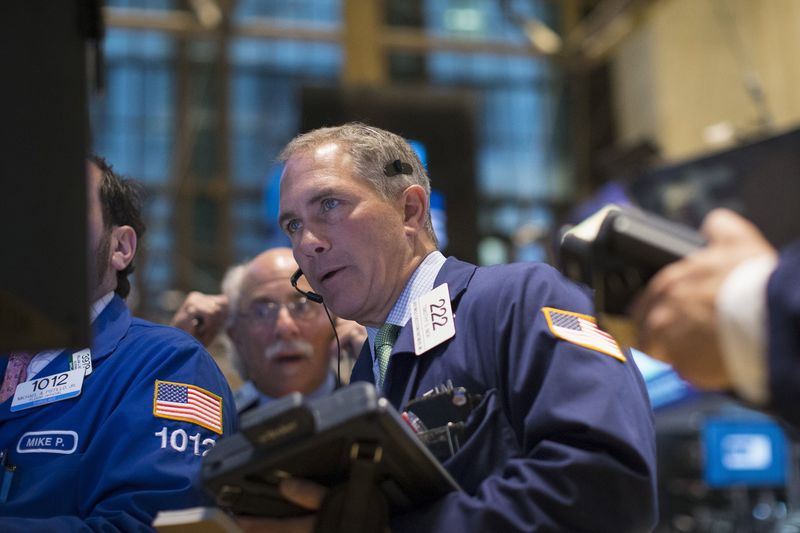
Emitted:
<point x="529" y="114"/>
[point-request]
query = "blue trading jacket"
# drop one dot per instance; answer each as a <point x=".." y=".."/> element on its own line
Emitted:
<point x="563" y="439"/>
<point x="110" y="464"/>
<point x="783" y="304"/>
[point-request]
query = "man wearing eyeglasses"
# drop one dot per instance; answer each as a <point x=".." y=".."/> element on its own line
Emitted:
<point x="280" y="339"/>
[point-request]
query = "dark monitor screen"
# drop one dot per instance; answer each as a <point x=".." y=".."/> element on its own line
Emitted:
<point x="760" y="180"/>
<point x="43" y="296"/>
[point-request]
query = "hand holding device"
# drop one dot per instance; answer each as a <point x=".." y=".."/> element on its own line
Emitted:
<point x="617" y="251"/>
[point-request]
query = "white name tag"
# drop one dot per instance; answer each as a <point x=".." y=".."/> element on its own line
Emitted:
<point x="432" y="319"/>
<point x="82" y="359"/>
<point x="48" y="389"/>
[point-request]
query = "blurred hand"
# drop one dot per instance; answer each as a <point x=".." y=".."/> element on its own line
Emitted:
<point x="676" y="314"/>
<point x="202" y="316"/>
<point x="351" y="336"/>
<point x="305" y="494"/>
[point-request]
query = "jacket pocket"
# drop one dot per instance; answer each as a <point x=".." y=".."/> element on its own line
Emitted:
<point x="489" y="440"/>
<point x="37" y="478"/>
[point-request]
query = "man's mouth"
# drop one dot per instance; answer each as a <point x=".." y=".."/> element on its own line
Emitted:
<point x="289" y="358"/>
<point x="330" y="274"/>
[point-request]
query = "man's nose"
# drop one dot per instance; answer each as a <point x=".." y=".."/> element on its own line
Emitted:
<point x="285" y="324"/>
<point x="313" y="242"/>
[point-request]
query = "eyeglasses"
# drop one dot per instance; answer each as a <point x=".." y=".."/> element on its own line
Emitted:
<point x="266" y="312"/>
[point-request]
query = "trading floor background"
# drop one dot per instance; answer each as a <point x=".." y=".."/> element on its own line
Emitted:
<point x="529" y="114"/>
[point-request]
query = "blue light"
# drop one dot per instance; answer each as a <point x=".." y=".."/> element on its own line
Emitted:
<point x="744" y="453"/>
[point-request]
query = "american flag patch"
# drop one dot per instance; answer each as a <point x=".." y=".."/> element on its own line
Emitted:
<point x="179" y="401"/>
<point x="581" y="330"/>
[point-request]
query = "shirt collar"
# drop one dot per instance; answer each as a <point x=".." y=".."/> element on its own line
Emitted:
<point x="420" y="282"/>
<point x="100" y="305"/>
<point x="42" y="359"/>
<point x="248" y="389"/>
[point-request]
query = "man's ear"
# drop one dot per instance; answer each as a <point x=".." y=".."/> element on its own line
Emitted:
<point x="415" y="207"/>
<point x="123" y="247"/>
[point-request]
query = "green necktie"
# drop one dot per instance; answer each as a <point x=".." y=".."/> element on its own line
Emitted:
<point x="384" y="341"/>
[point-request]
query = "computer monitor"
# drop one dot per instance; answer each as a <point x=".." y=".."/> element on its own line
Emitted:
<point x="44" y="137"/>
<point x="759" y="179"/>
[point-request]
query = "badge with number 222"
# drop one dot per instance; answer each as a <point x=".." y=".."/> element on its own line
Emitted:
<point x="432" y="319"/>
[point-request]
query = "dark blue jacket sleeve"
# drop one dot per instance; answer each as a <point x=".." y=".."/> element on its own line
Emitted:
<point x="564" y="441"/>
<point x="137" y="463"/>
<point x="783" y="304"/>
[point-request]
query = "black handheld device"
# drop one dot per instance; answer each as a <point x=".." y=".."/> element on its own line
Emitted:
<point x="352" y="441"/>
<point x="618" y="249"/>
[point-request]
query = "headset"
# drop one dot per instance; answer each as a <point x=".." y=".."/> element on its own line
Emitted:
<point x="314" y="297"/>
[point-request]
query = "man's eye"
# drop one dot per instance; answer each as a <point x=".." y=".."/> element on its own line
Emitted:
<point x="263" y="310"/>
<point x="302" y="306"/>
<point x="329" y="203"/>
<point x="292" y="226"/>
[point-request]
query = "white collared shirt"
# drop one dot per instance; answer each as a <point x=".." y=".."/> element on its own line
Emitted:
<point x="420" y="282"/>
<point x="42" y="359"/>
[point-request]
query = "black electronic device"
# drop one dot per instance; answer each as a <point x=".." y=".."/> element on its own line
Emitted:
<point x="758" y="178"/>
<point x="352" y="437"/>
<point x="44" y="291"/>
<point x="618" y="249"/>
<point x="313" y="296"/>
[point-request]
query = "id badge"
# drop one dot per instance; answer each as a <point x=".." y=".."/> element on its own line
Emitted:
<point x="82" y="359"/>
<point x="432" y="319"/>
<point x="48" y="389"/>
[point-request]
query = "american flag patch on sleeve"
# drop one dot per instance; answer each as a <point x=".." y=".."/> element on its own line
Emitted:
<point x="179" y="401"/>
<point x="581" y="330"/>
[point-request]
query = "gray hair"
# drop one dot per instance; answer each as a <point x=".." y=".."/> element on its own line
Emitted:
<point x="232" y="289"/>
<point x="372" y="149"/>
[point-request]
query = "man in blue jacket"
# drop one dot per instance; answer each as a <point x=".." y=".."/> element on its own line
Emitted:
<point x="562" y="437"/>
<point x="728" y="316"/>
<point x="101" y="439"/>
